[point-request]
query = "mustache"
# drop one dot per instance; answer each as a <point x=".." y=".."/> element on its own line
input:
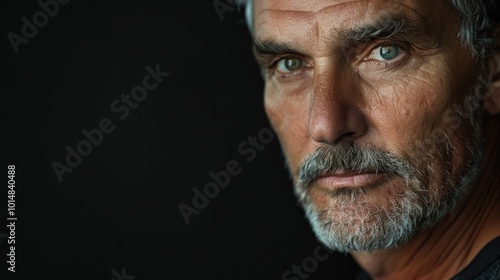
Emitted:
<point x="346" y="158"/>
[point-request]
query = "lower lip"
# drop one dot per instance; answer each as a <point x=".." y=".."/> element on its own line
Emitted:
<point x="349" y="181"/>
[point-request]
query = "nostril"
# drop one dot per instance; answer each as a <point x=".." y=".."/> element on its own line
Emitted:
<point x="346" y="137"/>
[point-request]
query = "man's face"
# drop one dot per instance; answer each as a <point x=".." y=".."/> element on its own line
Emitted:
<point x="355" y="90"/>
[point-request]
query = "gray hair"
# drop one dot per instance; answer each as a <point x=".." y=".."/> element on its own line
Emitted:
<point x="478" y="18"/>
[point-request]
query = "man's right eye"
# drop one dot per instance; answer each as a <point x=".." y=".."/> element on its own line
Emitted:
<point x="289" y="64"/>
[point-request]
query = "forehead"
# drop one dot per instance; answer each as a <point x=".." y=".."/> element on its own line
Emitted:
<point x="321" y="18"/>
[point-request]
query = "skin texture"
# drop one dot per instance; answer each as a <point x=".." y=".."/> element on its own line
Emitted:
<point x="343" y="93"/>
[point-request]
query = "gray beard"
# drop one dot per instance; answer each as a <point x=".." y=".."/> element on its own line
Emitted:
<point x="350" y="223"/>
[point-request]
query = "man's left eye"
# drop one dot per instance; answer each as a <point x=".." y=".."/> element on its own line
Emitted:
<point x="388" y="52"/>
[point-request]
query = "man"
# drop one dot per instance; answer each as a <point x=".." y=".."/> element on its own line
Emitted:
<point x="387" y="113"/>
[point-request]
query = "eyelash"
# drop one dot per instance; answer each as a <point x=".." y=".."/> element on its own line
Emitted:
<point x="272" y="66"/>
<point x="390" y="64"/>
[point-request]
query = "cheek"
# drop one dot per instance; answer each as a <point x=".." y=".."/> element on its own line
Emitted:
<point x="412" y="118"/>
<point x="406" y="109"/>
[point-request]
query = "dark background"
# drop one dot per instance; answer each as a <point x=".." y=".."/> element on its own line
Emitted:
<point x="119" y="207"/>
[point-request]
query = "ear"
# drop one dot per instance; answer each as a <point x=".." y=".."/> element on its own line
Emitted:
<point x="492" y="102"/>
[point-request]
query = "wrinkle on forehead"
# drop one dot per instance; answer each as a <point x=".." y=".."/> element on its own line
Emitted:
<point x="312" y="7"/>
<point x="310" y="19"/>
<point x="312" y="15"/>
<point x="318" y="23"/>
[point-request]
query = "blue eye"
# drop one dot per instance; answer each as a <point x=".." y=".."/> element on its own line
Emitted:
<point x="289" y="64"/>
<point x="389" y="52"/>
<point x="385" y="53"/>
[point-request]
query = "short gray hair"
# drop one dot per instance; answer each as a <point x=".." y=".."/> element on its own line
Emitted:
<point x="478" y="20"/>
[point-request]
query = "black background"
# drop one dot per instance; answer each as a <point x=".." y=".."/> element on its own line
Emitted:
<point x="119" y="207"/>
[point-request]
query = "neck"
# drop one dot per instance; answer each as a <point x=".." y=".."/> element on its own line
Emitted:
<point x="447" y="248"/>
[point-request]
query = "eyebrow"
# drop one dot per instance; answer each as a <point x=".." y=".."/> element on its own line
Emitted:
<point x="390" y="26"/>
<point x="273" y="48"/>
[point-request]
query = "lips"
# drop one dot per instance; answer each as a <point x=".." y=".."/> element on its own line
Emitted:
<point x="340" y="179"/>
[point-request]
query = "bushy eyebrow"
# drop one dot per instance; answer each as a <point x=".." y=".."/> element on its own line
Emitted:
<point x="273" y="48"/>
<point x="389" y="26"/>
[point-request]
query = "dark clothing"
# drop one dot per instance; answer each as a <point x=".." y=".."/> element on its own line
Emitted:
<point x="485" y="266"/>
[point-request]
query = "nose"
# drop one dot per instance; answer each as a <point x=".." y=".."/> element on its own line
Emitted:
<point x="334" y="114"/>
